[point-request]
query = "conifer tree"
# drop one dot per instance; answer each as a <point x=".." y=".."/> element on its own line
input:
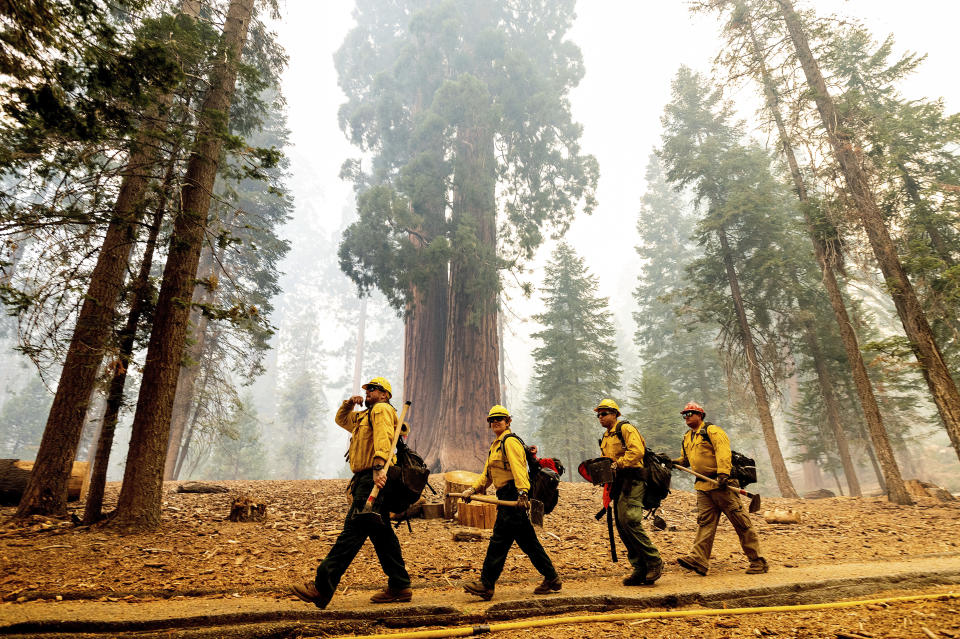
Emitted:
<point x="576" y="364"/>
<point x="459" y="102"/>
<point x="738" y="276"/>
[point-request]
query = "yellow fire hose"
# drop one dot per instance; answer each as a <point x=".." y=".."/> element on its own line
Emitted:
<point x="665" y="614"/>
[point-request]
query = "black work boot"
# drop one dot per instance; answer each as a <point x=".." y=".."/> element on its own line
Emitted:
<point x="757" y="566"/>
<point x="637" y="578"/>
<point x="691" y="564"/>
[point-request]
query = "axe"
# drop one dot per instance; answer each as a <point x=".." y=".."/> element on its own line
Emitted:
<point x="754" y="498"/>
<point x="487" y="499"/>
<point x="368" y="512"/>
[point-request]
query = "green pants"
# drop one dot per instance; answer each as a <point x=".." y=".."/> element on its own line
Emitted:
<point x="641" y="552"/>
<point x="710" y="503"/>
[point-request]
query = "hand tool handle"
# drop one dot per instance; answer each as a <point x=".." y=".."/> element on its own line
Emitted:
<point x="386" y="465"/>
<point x="705" y="478"/>
<point x="485" y="499"/>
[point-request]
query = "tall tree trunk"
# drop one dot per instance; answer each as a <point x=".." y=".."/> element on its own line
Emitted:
<point x="184" y="395"/>
<point x="46" y="490"/>
<point x="470" y="385"/>
<point x="825" y="380"/>
<point x="140" y="496"/>
<point x="93" y="508"/>
<point x="934" y="368"/>
<point x="756" y="380"/>
<point x="827" y="262"/>
<point x="424" y="339"/>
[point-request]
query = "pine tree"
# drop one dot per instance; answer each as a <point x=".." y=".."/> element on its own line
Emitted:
<point x="738" y="279"/>
<point x="576" y="363"/>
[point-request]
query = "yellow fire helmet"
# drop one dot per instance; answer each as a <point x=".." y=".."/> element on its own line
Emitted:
<point x="608" y="404"/>
<point x="498" y="411"/>
<point x="381" y="382"/>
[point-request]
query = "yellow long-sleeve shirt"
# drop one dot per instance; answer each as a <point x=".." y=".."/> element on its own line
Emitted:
<point x="368" y="440"/>
<point x="506" y="461"/>
<point x="708" y="456"/>
<point x="629" y="456"/>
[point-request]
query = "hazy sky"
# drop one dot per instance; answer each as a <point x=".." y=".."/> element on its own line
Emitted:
<point x="631" y="50"/>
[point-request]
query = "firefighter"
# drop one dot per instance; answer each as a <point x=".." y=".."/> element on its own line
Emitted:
<point x="506" y="469"/>
<point x="706" y="449"/>
<point x="624" y="444"/>
<point x="371" y="434"/>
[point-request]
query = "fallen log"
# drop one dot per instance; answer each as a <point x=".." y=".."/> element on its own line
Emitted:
<point x="14" y="474"/>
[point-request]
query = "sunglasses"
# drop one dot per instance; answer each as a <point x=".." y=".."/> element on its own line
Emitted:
<point x="604" y="413"/>
<point x="688" y="413"/>
<point x="491" y="420"/>
<point x="374" y="387"/>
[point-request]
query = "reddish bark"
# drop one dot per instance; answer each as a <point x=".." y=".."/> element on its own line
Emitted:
<point x="470" y="385"/>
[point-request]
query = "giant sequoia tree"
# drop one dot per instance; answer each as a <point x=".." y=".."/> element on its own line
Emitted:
<point x="464" y="106"/>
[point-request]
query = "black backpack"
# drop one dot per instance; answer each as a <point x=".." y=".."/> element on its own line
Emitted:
<point x="655" y="474"/>
<point x="406" y="479"/>
<point x="743" y="468"/>
<point x="544" y="482"/>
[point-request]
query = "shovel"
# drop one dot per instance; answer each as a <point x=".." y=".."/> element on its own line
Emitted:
<point x="485" y="499"/>
<point x="368" y="512"/>
<point x="754" y="498"/>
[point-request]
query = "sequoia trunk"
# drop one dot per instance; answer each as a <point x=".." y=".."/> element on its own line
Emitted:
<point x="470" y="384"/>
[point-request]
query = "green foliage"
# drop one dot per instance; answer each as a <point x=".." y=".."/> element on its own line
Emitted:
<point x="672" y="344"/>
<point x="657" y="411"/>
<point x="300" y="411"/>
<point x="239" y="453"/>
<point x="421" y="78"/>
<point x="576" y="364"/>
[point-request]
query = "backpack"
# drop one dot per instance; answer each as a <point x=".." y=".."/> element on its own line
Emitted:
<point x="544" y="482"/>
<point x="406" y="479"/>
<point x="655" y="473"/>
<point x="742" y="468"/>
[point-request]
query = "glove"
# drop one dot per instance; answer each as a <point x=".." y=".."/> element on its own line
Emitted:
<point x="667" y="462"/>
<point x="522" y="500"/>
<point x="723" y="480"/>
<point x="466" y="494"/>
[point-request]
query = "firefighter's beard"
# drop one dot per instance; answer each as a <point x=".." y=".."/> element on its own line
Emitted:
<point x="368" y="403"/>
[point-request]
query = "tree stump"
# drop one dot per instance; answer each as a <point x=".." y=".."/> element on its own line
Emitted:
<point x="456" y="481"/>
<point x="246" y="509"/>
<point x="200" y="487"/>
<point x="432" y="511"/>
<point x="476" y="514"/>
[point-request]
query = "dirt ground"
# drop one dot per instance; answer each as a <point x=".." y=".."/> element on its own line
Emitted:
<point x="197" y="552"/>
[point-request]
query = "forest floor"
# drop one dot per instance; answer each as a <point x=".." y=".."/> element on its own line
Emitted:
<point x="214" y="577"/>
